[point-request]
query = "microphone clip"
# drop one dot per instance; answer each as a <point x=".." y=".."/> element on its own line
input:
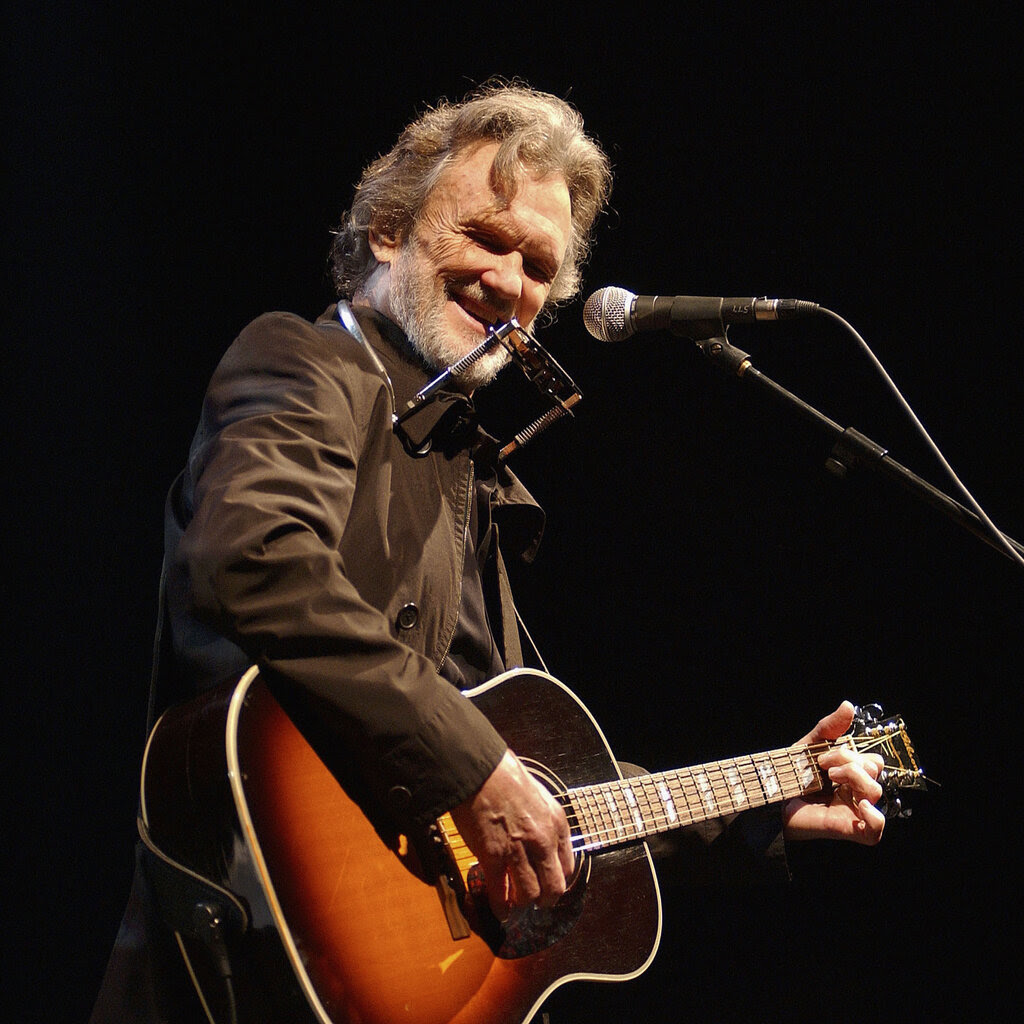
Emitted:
<point x="722" y="352"/>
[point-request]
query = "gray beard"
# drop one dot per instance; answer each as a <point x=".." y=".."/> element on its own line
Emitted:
<point x="418" y="302"/>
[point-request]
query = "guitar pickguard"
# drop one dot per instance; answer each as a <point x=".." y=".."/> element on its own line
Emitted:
<point x="530" y="929"/>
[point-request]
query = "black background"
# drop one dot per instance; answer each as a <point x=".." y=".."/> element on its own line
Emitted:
<point x="704" y="584"/>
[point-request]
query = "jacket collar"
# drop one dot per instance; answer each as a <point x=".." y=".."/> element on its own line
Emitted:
<point x="449" y="423"/>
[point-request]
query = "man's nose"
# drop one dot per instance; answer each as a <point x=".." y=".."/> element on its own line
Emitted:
<point x="505" y="276"/>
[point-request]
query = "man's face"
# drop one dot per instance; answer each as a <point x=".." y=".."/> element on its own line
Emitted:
<point x="472" y="260"/>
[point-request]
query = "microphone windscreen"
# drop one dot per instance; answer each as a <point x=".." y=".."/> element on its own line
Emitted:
<point x="605" y="314"/>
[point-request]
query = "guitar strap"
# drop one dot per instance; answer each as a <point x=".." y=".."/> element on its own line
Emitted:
<point x="158" y="642"/>
<point x="513" y="629"/>
<point x="513" y="651"/>
<point x="188" y="903"/>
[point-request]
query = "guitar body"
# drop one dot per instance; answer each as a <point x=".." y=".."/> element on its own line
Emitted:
<point x="344" y="929"/>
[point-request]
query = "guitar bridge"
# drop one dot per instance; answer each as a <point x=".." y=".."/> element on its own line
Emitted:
<point x="452" y="881"/>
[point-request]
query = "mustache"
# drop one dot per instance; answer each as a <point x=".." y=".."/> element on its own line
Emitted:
<point x="480" y="295"/>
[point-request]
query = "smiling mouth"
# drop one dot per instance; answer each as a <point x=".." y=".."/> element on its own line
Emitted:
<point x="484" y="323"/>
<point x="479" y="314"/>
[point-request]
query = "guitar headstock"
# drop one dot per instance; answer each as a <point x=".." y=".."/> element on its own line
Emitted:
<point x="873" y="733"/>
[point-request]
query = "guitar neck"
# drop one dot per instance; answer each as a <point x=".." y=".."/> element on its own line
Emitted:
<point x="625" y="810"/>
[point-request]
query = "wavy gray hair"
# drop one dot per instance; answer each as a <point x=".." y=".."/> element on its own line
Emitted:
<point x="536" y="132"/>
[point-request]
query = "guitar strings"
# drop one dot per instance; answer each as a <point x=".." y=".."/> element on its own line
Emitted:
<point x="600" y="823"/>
<point x="614" y="823"/>
<point x="629" y="810"/>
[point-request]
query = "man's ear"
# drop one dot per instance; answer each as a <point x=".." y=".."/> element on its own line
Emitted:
<point x="383" y="244"/>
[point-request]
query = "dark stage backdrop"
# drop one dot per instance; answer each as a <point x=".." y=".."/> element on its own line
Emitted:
<point x="704" y="584"/>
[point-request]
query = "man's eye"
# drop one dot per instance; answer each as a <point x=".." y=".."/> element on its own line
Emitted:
<point x="485" y="241"/>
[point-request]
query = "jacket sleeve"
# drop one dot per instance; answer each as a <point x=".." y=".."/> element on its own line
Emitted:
<point x="287" y="421"/>
<point x="740" y="849"/>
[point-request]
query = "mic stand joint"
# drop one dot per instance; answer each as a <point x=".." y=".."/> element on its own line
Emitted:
<point x="719" y="350"/>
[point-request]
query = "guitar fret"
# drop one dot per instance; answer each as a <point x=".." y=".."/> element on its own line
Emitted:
<point x="724" y="802"/>
<point x="734" y="783"/>
<point x="657" y="815"/>
<point x="684" y="787"/>
<point x="654" y="812"/>
<point x="605" y="821"/>
<point x="796" y="767"/>
<point x="706" y="793"/>
<point x="622" y="794"/>
<point x="752" y="781"/>
<point x="668" y="802"/>
<point x="735" y="786"/>
<point x="782" y="765"/>
<point x="629" y="809"/>
<point x="642" y="788"/>
<point x="594" y="833"/>
<point x="769" y="779"/>
<point x="694" y="809"/>
<point x="634" y="808"/>
<point x="614" y="813"/>
<point x="646" y="806"/>
<point x="697" y="790"/>
<point x="807" y="775"/>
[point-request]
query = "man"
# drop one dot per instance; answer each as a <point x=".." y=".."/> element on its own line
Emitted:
<point x="356" y="562"/>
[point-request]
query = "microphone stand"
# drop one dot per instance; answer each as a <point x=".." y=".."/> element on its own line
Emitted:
<point x="851" y="448"/>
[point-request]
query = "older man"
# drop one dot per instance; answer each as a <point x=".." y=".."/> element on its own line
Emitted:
<point x="356" y="563"/>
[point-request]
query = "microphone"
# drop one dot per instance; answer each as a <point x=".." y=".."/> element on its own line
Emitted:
<point x="612" y="314"/>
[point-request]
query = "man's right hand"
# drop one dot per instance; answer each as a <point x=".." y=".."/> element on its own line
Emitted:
<point x="520" y="836"/>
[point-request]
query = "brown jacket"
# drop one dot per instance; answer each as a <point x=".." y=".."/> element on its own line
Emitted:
<point x="304" y="536"/>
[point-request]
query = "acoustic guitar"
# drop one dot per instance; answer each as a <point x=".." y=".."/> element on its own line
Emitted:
<point x="292" y="908"/>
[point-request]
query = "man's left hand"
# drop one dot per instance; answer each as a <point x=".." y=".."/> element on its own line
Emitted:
<point x="845" y="810"/>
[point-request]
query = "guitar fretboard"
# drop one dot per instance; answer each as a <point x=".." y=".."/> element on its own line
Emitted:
<point x="617" y="812"/>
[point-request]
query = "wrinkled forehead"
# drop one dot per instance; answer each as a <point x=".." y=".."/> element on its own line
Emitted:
<point x="477" y="180"/>
<point x="483" y="172"/>
<point x="470" y="176"/>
